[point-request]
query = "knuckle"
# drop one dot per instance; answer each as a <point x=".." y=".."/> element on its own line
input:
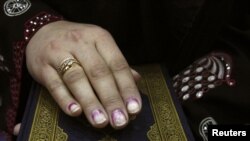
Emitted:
<point x="131" y="89"/>
<point x="61" y="100"/>
<point x="55" y="85"/>
<point x="99" y="71"/>
<point x="118" y="65"/>
<point x="74" y="75"/>
<point x="74" y="35"/>
<point x="97" y="28"/>
<point x="53" y="45"/>
<point x="101" y="32"/>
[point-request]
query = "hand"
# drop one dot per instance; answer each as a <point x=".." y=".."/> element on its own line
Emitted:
<point x="102" y="85"/>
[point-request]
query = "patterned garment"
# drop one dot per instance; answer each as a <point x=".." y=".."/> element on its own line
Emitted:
<point x="203" y="75"/>
<point x="20" y="19"/>
<point x="12" y="57"/>
<point x="213" y="90"/>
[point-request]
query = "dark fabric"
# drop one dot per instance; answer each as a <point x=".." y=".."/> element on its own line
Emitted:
<point x="175" y="32"/>
<point x="225" y="104"/>
<point x="154" y="27"/>
<point x="201" y="37"/>
<point x="12" y="48"/>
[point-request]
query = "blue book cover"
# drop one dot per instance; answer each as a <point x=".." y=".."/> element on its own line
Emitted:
<point x="161" y="118"/>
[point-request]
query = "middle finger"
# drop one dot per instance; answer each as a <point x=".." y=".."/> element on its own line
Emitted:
<point x="104" y="85"/>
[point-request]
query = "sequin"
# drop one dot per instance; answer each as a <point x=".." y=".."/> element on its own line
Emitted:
<point x="211" y="86"/>
<point x="185" y="88"/>
<point x="175" y="84"/>
<point x="175" y="77"/>
<point x="186" y="97"/>
<point x="198" y="78"/>
<point x="198" y="86"/>
<point x="187" y="72"/>
<point x="199" y="94"/>
<point x="186" y="79"/>
<point x="1" y="58"/>
<point x="199" y="69"/>
<point x="211" y="78"/>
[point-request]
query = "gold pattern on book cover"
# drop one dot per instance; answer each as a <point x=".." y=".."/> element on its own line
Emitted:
<point x="45" y="124"/>
<point x="167" y="126"/>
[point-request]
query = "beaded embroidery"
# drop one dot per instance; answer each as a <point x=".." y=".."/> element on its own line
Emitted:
<point x="30" y="28"/>
<point x="3" y="67"/>
<point x="16" y="7"/>
<point x="203" y="75"/>
<point x="35" y="23"/>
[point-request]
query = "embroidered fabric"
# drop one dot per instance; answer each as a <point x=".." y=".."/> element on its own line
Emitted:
<point x="203" y="127"/>
<point x="3" y="67"/>
<point x="30" y="28"/>
<point x="203" y="75"/>
<point x="16" y="7"/>
<point x="35" y="23"/>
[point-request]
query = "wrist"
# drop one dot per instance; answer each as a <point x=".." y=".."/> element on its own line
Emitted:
<point x="33" y="25"/>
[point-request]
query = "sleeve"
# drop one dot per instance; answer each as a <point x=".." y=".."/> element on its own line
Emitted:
<point x="215" y="89"/>
<point x="20" y="19"/>
<point x="19" y="15"/>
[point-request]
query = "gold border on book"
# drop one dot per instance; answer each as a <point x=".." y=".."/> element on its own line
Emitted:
<point x="45" y="124"/>
<point x="167" y="125"/>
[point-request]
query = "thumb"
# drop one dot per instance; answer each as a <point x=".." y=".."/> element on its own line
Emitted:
<point x="17" y="129"/>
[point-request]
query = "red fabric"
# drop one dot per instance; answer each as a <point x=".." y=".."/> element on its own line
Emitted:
<point x="15" y="84"/>
<point x="18" y="51"/>
<point x="38" y="21"/>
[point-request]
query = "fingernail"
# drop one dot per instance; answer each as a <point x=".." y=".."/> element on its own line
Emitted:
<point x="73" y="107"/>
<point x="118" y="118"/>
<point x="133" y="106"/>
<point x="98" y="116"/>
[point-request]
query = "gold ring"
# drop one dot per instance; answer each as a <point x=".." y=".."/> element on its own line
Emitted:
<point x="66" y="64"/>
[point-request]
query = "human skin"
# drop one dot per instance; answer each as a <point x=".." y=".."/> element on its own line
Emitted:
<point x="102" y="86"/>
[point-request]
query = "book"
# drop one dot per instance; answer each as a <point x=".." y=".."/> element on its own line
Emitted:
<point x="161" y="117"/>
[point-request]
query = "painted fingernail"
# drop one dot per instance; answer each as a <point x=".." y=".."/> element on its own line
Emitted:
<point x="98" y="117"/>
<point x="133" y="106"/>
<point x="118" y="118"/>
<point x="73" y="107"/>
